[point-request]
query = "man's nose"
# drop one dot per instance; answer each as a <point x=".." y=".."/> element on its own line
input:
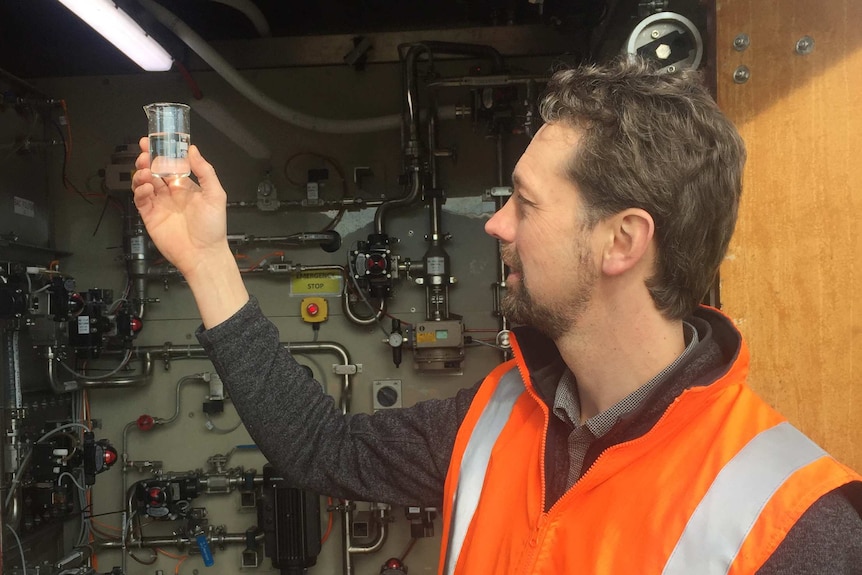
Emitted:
<point x="500" y="224"/>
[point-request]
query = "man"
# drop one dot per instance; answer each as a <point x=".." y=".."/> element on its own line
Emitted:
<point x="622" y="438"/>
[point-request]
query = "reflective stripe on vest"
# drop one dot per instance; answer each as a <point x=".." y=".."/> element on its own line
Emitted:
<point x="722" y="520"/>
<point x="474" y="462"/>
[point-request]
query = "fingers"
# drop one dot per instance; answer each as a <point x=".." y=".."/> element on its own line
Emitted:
<point x="142" y="164"/>
<point x="146" y="187"/>
<point x="204" y="171"/>
<point x="144" y="194"/>
<point x="200" y="167"/>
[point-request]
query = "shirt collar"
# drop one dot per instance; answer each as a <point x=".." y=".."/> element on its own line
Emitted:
<point x="567" y="405"/>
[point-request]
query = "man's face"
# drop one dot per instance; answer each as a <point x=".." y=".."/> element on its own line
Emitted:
<point x="546" y="242"/>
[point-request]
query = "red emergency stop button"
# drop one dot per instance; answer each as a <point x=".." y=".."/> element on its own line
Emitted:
<point x="313" y="309"/>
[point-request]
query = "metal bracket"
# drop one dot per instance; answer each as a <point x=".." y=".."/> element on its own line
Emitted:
<point x="498" y="192"/>
<point x="341" y="369"/>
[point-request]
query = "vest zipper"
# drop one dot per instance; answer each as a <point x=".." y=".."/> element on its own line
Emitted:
<point x="526" y="564"/>
<point x="529" y="556"/>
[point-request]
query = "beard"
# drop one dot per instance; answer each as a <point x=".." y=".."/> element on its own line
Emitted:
<point x="554" y="319"/>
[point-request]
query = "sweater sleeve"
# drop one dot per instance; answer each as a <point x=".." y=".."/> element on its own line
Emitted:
<point x="397" y="456"/>
<point x="826" y="539"/>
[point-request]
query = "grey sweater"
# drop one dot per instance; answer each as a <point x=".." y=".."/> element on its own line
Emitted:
<point x="401" y="456"/>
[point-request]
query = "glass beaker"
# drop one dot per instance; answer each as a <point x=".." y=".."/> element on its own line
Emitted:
<point x="169" y="134"/>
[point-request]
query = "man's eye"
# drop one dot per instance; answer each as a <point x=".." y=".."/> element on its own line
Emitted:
<point x="522" y="201"/>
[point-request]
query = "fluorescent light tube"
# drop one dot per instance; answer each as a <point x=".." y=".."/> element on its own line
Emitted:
<point x="122" y="31"/>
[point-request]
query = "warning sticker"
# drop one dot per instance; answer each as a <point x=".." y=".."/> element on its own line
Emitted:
<point x="316" y="283"/>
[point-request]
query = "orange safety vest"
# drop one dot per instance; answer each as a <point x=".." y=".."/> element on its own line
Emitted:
<point x="712" y="488"/>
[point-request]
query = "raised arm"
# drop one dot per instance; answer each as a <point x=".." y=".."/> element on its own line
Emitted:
<point x="188" y="224"/>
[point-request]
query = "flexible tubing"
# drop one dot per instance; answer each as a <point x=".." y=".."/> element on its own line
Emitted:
<point x="294" y="117"/>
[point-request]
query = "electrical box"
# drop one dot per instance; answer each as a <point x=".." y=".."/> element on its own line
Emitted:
<point x="438" y="346"/>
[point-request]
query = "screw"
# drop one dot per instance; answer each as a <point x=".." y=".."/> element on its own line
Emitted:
<point x="741" y="42"/>
<point x="655" y="34"/>
<point x="741" y="75"/>
<point x="805" y="45"/>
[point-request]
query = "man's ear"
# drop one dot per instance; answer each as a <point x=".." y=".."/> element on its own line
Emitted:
<point x="629" y="241"/>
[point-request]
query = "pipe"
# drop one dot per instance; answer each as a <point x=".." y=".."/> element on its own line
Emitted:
<point x="126" y="541"/>
<point x="125" y="456"/>
<point x="164" y="272"/>
<point x="337" y="349"/>
<point x="179" y="541"/>
<point x="322" y="206"/>
<point x="485" y="81"/>
<point x="501" y="267"/>
<point x="136" y="250"/>
<point x="326" y="239"/>
<point x="3" y="440"/>
<point x="12" y="402"/>
<point x="348" y="549"/>
<point x="170" y="351"/>
<point x="180" y="384"/>
<point x="410" y="117"/>
<point x="143" y="378"/>
<point x="415" y="186"/>
<point x="370" y="320"/>
<point x="239" y="83"/>
<point x="124" y="474"/>
<point x="531" y="118"/>
<point x="376" y="544"/>
<point x="500" y="284"/>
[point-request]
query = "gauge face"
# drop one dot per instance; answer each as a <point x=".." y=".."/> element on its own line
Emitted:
<point x="395" y="339"/>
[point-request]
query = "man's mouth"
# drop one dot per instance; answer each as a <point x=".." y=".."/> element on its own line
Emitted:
<point x="513" y="273"/>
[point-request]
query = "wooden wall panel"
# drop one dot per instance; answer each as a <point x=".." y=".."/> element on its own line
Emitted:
<point x="792" y="277"/>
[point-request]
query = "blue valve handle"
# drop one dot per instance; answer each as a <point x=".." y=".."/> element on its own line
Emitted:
<point x="204" y="546"/>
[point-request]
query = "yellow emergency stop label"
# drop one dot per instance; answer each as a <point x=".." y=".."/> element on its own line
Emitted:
<point x="316" y="283"/>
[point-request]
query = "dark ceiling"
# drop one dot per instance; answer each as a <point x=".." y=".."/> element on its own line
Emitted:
<point x="42" y="38"/>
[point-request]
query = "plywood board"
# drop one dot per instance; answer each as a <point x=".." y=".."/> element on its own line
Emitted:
<point x="792" y="277"/>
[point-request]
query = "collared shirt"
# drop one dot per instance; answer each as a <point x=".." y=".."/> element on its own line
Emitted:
<point x="567" y="407"/>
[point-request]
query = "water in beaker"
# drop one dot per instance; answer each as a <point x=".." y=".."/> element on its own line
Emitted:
<point x="169" y="134"/>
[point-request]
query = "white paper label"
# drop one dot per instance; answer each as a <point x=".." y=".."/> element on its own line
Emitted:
<point x="83" y="324"/>
<point x="25" y="207"/>
<point x="136" y="244"/>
